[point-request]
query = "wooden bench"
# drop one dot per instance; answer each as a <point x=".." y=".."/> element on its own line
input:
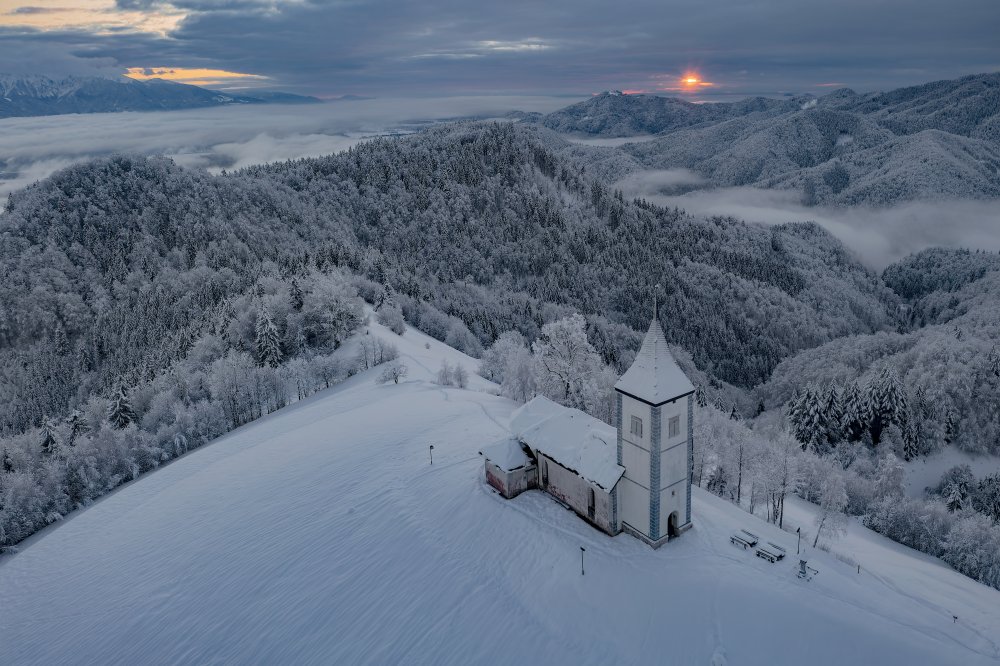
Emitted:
<point x="771" y="552"/>
<point x="744" y="538"/>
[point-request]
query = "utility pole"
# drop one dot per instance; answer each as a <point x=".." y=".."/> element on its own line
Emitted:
<point x="798" y="531"/>
<point x="582" y="551"/>
<point x="432" y="453"/>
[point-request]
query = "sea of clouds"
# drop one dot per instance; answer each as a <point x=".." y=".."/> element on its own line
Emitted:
<point x="878" y="236"/>
<point x="234" y="137"/>
<point x="229" y="137"/>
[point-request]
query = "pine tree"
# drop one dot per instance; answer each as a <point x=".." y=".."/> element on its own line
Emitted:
<point x="8" y="463"/>
<point x="47" y="440"/>
<point x="60" y="342"/>
<point x="888" y="403"/>
<point x="856" y="411"/>
<point x="268" y="341"/>
<point x="77" y="426"/>
<point x="760" y="408"/>
<point x="834" y="415"/>
<point x="699" y="397"/>
<point x="950" y="427"/>
<point x="120" y="413"/>
<point x="735" y="413"/>
<point x="953" y="497"/>
<point x="993" y="361"/>
<point x="296" y="297"/>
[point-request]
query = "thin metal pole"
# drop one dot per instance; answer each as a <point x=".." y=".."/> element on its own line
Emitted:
<point x="432" y="453"/>
<point x="582" y="550"/>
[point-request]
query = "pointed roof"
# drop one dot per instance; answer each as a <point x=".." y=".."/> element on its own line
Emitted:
<point x="655" y="376"/>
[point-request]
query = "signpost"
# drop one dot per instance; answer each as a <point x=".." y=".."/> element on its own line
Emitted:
<point x="582" y="551"/>
<point x="432" y="453"/>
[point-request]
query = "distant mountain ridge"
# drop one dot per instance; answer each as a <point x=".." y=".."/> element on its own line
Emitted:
<point x="42" y="96"/>
<point x="937" y="140"/>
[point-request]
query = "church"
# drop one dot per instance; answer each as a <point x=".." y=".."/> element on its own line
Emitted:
<point x="634" y="477"/>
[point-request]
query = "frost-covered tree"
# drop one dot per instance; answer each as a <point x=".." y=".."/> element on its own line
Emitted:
<point x="48" y="440"/>
<point x="446" y="374"/>
<point x="699" y="397"/>
<point x="831" y="519"/>
<point x="888" y="403"/>
<point x="393" y="372"/>
<point x="268" y="343"/>
<point x="7" y="462"/>
<point x="519" y="377"/>
<point x="856" y="411"/>
<point x="77" y="425"/>
<point x="460" y="376"/>
<point x="295" y="296"/>
<point x="501" y="356"/>
<point x="120" y="413"/>
<point x="566" y="362"/>
<point x="391" y="316"/>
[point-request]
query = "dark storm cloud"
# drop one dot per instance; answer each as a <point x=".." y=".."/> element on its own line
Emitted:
<point x="574" y="46"/>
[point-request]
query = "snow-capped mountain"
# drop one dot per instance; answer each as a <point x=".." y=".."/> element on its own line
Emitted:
<point x="323" y="534"/>
<point x="42" y="96"/>
<point x="939" y="140"/>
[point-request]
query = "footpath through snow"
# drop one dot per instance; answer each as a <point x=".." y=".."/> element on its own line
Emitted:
<point x="322" y="534"/>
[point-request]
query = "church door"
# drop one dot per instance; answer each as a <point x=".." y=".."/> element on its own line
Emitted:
<point x="672" y="525"/>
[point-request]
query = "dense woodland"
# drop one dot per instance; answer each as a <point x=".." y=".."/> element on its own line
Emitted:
<point x="146" y="309"/>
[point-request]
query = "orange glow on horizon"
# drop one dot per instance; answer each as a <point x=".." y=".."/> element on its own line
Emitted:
<point x="193" y="76"/>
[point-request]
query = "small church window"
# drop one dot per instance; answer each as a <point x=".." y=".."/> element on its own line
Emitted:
<point x="545" y="472"/>
<point x="591" y="504"/>
<point x="637" y="426"/>
<point x="674" y="426"/>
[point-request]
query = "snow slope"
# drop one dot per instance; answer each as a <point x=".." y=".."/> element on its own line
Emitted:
<point x="321" y="534"/>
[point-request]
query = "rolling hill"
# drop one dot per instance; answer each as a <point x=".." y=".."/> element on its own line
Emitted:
<point x="934" y="141"/>
<point x="321" y="534"/>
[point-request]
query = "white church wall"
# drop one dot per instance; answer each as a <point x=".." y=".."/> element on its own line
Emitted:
<point x="572" y="489"/>
<point x="673" y="456"/>
<point x="633" y="505"/>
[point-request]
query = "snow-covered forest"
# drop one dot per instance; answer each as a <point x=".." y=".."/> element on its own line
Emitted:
<point x="148" y="308"/>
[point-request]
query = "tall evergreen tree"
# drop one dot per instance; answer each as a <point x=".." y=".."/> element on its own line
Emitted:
<point x="834" y="415"/>
<point x="950" y="426"/>
<point x="268" y="341"/>
<point x="7" y="462"/>
<point x="48" y="442"/>
<point x="77" y="426"/>
<point x="855" y="411"/>
<point x="993" y="361"/>
<point x="700" y="398"/>
<point x="120" y="413"/>
<point x="295" y="295"/>
<point x="60" y="342"/>
<point x="888" y="403"/>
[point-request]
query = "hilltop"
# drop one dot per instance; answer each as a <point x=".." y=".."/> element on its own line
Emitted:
<point x="328" y="516"/>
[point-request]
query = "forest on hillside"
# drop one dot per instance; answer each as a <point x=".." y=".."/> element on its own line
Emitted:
<point x="148" y="308"/>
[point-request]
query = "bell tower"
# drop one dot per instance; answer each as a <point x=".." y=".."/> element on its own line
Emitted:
<point x="655" y="408"/>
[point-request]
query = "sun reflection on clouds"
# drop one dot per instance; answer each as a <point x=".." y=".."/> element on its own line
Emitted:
<point x="195" y="76"/>
<point x="97" y="16"/>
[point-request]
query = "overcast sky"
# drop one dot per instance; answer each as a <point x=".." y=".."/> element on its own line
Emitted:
<point x="390" y="48"/>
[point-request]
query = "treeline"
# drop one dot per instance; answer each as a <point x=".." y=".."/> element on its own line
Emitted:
<point x="259" y="351"/>
<point x="958" y="522"/>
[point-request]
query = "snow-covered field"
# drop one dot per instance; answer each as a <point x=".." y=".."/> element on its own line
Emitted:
<point x="321" y="534"/>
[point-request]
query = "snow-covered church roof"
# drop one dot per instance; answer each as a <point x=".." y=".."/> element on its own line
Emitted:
<point x="655" y="376"/>
<point x="575" y="440"/>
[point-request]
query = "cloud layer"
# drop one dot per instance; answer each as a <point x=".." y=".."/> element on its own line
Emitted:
<point x="878" y="236"/>
<point x="226" y="137"/>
